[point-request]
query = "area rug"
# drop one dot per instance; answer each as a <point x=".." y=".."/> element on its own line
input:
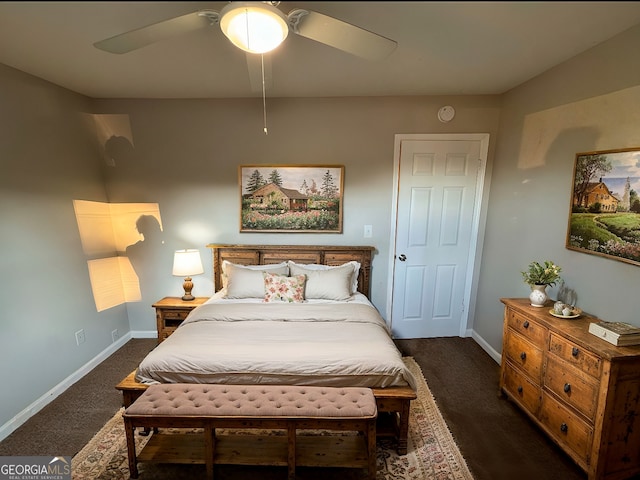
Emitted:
<point x="432" y="453"/>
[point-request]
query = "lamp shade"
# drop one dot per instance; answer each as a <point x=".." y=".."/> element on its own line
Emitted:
<point x="254" y="27"/>
<point x="187" y="263"/>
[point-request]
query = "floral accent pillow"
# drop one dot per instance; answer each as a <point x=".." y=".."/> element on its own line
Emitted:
<point x="280" y="288"/>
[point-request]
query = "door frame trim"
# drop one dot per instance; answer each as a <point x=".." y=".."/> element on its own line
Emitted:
<point x="477" y="229"/>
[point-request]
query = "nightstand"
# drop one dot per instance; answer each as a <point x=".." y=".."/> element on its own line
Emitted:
<point x="171" y="312"/>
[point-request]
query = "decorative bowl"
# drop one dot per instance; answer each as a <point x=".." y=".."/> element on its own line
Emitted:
<point x="575" y="313"/>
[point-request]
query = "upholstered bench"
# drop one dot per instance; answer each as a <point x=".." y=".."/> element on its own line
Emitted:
<point x="393" y="405"/>
<point x="272" y="407"/>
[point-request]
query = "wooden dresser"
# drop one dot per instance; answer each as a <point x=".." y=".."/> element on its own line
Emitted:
<point x="582" y="391"/>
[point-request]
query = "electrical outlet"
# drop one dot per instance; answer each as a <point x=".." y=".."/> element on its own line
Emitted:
<point x="368" y="231"/>
<point x="114" y="335"/>
<point x="80" y="338"/>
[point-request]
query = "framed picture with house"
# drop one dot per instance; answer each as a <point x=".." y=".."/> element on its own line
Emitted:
<point x="605" y="205"/>
<point x="291" y="198"/>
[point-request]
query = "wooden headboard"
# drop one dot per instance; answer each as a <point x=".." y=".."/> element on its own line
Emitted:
<point x="268" y="254"/>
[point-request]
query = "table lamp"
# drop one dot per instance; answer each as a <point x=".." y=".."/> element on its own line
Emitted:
<point x="185" y="264"/>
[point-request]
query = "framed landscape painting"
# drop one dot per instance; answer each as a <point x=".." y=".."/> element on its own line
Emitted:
<point x="291" y="198"/>
<point x="605" y="206"/>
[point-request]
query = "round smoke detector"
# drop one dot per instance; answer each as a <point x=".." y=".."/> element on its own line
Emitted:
<point x="446" y="114"/>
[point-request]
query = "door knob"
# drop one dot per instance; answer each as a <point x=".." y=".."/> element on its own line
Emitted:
<point x="402" y="257"/>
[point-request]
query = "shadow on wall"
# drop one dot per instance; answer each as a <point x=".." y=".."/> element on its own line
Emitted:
<point x="122" y="266"/>
<point x="113" y="132"/>
<point x="118" y="151"/>
<point x="556" y="130"/>
<point x="149" y="256"/>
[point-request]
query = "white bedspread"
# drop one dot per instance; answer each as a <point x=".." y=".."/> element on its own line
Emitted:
<point x="324" y="344"/>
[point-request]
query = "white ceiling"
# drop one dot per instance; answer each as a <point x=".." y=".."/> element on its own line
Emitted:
<point x="444" y="48"/>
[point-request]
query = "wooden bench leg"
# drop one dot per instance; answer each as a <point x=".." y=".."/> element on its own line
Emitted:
<point x="371" y="449"/>
<point x="291" y="442"/>
<point x="403" y="428"/>
<point x="131" y="448"/>
<point x="209" y="449"/>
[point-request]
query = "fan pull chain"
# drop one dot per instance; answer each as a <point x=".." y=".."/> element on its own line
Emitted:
<point x="264" y="97"/>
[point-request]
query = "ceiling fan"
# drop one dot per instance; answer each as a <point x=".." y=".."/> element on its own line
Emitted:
<point x="244" y="15"/>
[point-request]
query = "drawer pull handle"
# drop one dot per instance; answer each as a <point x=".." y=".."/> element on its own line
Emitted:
<point x="519" y="388"/>
<point x="567" y="387"/>
<point x="523" y="355"/>
<point x="564" y="428"/>
<point x="575" y="351"/>
<point x="526" y="324"/>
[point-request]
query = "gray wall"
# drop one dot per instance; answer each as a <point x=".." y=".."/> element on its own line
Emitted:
<point x="588" y="103"/>
<point x="187" y="154"/>
<point x="48" y="158"/>
<point x="185" y="157"/>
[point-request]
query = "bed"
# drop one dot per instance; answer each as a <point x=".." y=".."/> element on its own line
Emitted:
<point x="289" y="315"/>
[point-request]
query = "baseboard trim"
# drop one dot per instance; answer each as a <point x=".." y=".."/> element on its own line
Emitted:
<point x="9" y="427"/>
<point x="487" y="348"/>
<point x="144" y="334"/>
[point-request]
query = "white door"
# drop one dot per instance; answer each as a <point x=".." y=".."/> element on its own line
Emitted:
<point x="439" y="185"/>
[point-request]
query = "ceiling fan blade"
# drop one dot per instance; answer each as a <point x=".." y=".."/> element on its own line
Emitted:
<point x="341" y="35"/>
<point x="144" y="36"/>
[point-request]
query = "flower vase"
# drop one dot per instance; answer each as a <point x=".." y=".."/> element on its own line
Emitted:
<point x="538" y="295"/>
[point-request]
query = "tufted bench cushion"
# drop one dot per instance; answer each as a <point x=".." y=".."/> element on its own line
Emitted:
<point x="210" y="407"/>
<point x="181" y="399"/>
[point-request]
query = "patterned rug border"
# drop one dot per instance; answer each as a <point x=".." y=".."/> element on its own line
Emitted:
<point x="432" y="451"/>
<point x="426" y="402"/>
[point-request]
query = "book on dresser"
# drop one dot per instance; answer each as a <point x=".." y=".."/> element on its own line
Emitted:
<point x="616" y="333"/>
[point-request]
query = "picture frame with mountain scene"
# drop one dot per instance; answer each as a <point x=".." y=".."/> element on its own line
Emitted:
<point x="291" y="198"/>
<point x="605" y="205"/>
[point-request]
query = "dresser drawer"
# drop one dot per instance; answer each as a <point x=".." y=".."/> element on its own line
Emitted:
<point x="522" y="389"/>
<point x="531" y="330"/>
<point x="570" y="431"/>
<point x="524" y="355"/>
<point x="572" y="386"/>
<point x="575" y="355"/>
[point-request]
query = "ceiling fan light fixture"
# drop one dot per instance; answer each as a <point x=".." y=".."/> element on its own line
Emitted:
<point x="254" y="27"/>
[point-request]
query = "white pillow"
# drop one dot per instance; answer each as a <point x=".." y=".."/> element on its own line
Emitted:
<point x="315" y="266"/>
<point x="247" y="281"/>
<point x="327" y="283"/>
<point x="262" y="268"/>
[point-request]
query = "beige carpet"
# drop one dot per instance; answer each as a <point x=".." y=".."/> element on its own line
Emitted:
<point x="432" y="453"/>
